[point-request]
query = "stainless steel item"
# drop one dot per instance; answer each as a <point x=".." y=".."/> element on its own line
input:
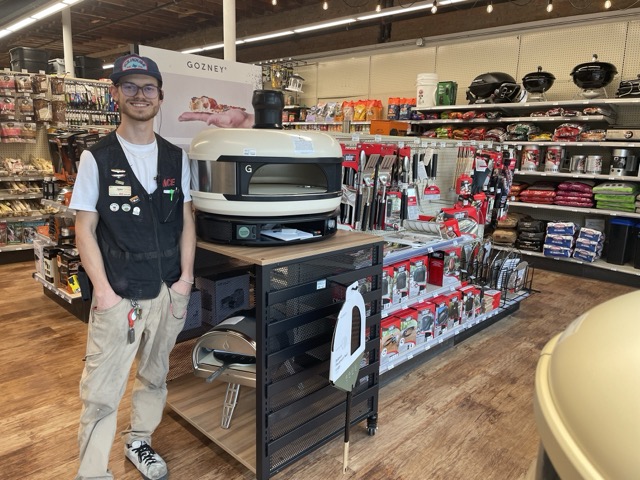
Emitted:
<point x="530" y="158"/>
<point x="623" y="162"/>
<point x="553" y="159"/>
<point x="228" y="352"/>
<point x="594" y="164"/>
<point x="578" y="163"/>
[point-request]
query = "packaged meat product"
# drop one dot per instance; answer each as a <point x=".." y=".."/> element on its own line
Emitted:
<point x="40" y="83"/>
<point x="7" y="108"/>
<point x="57" y="86"/>
<point x="28" y="132"/>
<point x="10" y="131"/>
<point x="24" y="105"/>
<point x="7" y="82"/>
<point x="23" y="83"/>
<point x="42" y="109"/>
<point x="59" y="112"/>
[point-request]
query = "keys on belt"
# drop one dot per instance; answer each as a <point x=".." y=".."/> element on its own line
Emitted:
<point x="134" y="314"/>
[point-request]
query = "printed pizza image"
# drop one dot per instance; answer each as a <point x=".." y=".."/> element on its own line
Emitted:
<point x="209" y="105"/>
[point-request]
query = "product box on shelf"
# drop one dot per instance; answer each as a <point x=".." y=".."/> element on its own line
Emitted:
<point x="455" y="308"/>
<point x="387" y="287"/>
<point x="451" y="274"/>
<point x="50" y="264"/>
<point x="408" y="329"/>
<point x="436" y="268"/>
<point x="400" y="289"/>
<point x="14" y="232"/>
<point x="389" y="338"/>
<point x="68" y="263"/>
<point x="468" y="300"/>
<point x="426" y="315"/>
<point x="442" y="325"/>
<point x="491" y="300"/>
<point x="388" y="127"/>
<point x="418" y="275"/>
<point x="222" y="295"/>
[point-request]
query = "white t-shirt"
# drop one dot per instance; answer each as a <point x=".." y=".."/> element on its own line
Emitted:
<point x="144" y="163"/>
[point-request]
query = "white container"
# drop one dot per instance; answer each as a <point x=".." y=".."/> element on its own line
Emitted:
<point x="426" y="87"/>
<point x="553" y="159"/>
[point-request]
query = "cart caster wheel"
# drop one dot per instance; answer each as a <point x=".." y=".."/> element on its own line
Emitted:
<point x="371" y="431"/>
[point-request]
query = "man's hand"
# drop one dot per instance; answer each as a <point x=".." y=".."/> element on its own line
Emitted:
<point x="182" y="287"/>
<point x="107" y="300"/>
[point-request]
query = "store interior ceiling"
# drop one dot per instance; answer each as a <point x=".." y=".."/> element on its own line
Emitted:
<point x="106" y="29"/>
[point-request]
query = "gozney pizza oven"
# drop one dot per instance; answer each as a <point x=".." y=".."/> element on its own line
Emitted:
<point x="264" y="186"/>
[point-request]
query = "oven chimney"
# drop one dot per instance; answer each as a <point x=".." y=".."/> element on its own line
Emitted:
<point x="268" y="106"/>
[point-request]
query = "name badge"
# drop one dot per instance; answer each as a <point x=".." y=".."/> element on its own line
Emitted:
<point x="119" y="190"/>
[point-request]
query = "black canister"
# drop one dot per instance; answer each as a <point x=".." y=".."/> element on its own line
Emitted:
<point x="636" y="245"/>
<point x="619" y="249"/>
<point x="268" y="106"/>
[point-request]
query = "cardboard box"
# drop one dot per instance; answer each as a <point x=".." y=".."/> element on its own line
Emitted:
<point x="418" y="274"/>
<point x="451" y="274"/>
<point x="442" y="315"/>
<point x="400" y="291"/>
<point x="388" y="127"/>
<point x="426" y="316"/>
<point x="387" y="287"/>
<point x="408" y="329"/>
<point x="436" y="268"/>
<point x="492" y="300"/>
<point x="455" y="308"/>
<point x="468" y="310"/>
<point x="389" y="339"/>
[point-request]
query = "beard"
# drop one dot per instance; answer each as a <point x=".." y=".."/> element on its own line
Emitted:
<point x="139" y="114"/>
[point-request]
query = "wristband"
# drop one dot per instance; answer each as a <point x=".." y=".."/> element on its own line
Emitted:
<point x="186" y="281"/>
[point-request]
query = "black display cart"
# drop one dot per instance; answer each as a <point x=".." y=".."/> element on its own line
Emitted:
<point x="299" y="290"/>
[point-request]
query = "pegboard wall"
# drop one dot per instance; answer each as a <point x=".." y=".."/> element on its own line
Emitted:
<point x="25" y="151"/>
<point x="556" y="50"/>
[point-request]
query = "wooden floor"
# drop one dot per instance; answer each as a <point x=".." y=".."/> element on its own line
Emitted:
<point x="466" y="414"/>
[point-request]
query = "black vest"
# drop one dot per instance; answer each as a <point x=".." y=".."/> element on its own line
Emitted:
<point x="138" y="233"/>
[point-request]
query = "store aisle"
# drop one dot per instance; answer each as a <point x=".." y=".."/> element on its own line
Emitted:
<point x="466" y="414"/>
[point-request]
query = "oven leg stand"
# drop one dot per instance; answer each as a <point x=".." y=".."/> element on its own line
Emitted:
<point x="230" y="400"/>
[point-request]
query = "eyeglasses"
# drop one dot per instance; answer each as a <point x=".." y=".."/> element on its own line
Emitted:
<point x="131" y="90"/>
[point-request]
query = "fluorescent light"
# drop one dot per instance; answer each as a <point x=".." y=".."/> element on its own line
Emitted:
<point x="324" y="25"/>
<point x="269" y="35"/>
<point x="49" y="11"/>
<point x="400" y="11"/>
<point x="71" y="2"/>
<point x="215" y="47"/>
<point x="107" y="66"/>
<point x="21" y="24"/>
<point x="192" y="50"/>
<point x="4" y="33"/>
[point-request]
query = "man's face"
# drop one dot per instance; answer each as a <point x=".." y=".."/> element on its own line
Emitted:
<point x="137" y="106"/>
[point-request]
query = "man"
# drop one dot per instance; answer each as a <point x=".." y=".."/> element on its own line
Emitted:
<point x="136" y="236"/>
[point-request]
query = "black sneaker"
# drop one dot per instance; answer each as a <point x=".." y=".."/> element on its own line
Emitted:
<point x="146" y="460"/>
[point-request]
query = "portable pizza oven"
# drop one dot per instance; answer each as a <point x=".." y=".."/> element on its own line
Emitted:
<point x="265" y="186"/>
<point x="227" y="352"/>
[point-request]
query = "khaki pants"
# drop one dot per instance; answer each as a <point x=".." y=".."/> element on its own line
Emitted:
<point x="108" y="362"/>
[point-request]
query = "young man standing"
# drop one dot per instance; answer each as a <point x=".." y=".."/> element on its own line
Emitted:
<point x="136" y="236"/>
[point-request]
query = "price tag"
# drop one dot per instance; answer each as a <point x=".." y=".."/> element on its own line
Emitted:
<point x="410" y="356"/>
<point x="377" y="138"/>
<point x="472" y="142"/>
<point x="416" y="140"/>
<point x="433" y="144"/>
<point x="458" y="144"/>
<point x="440" y="340"/>
<point x="390" y="367"/>
<point x="518" y="147"/>
<point x="430" y="250"/>
<point x="355" y="138"/>
<point x="443" y="144"/>
<point x="400" y="144"/>
<point x="455" y="243"/>
<point x="321" y="284"/>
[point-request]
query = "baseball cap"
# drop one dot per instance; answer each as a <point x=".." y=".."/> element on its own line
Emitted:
<point x="133" y="64"/>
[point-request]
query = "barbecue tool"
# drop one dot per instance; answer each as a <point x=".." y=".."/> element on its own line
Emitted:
<point x="347" y="350"/>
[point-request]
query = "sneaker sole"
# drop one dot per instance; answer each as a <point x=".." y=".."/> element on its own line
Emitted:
<point x="164" y="477"/>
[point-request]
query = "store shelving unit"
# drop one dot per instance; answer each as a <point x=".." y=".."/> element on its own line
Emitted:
<point x="299" y="290"/>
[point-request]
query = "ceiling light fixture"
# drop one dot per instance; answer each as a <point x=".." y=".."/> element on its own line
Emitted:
<point x="490" y="7"/>
<point x="269" y="36"/>
<point x="607" y="4"/>
<point x="434" y="7"/>
<point x="378" y="8"/>
<point x="48" y="10"/>
<point x="401" y="10"/>
<point x="550" y="6"/>
<point x="274" y="2"/>
<point x="325" y="5"/>
<point x="319" y="26"/>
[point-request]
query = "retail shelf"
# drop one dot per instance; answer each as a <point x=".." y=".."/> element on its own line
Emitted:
<point x="292" y="107"/>
<point x="66" y="296"/>
<point x="311" y="124"/>
<point x="607" y="144"/>
<point x="593" y="211"/>
<point x="24" y="196"/>
<point x="579" y="118"/>
<point x="16" y="248"/>
<point x="23" y="219"/>
<point x="58" y="205"/>
<point x="428" y="245"/>
<point x="22" y="178"/>
<point x="418" y="349"/>
<point x="602" y="264"/>
<point x="584" y="176"/>
<point x="614" y="102"/>
<point x="431" y="292"/>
